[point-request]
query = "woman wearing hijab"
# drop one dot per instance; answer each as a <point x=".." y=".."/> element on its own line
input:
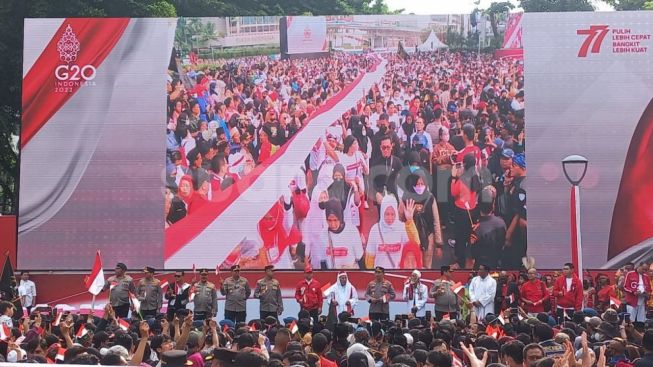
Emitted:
<point x="345" y="192"/>
<point x="342" y="241"/>
<point x="426" y="215"/>
<point x="342" y="294"/>
<point x="389" y="236"/>
<point x="407" y="129"/>
<point x="185" y="190"/>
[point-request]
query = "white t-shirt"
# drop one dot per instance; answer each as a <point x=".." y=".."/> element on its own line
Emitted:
<point x="347" y="248"/>
<point x="568" y="281"/>
<point x="353" y="164"/>
<point x="27" y="288"/>
<point x="6" y="320"/>
<point x="389" y="248"/>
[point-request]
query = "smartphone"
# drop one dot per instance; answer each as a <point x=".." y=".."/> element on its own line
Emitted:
<point x="428" y="316"/>
<point x="627" y="318"/>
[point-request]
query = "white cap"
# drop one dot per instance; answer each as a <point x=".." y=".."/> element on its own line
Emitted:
<point x="417" y="273"/>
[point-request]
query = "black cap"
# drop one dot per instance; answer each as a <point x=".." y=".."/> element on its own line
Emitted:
<point x="235" y="267"/>
<point x="175" y="358"/>
<point x="380" y="268"/>
<point x="270" y="320"/>
<point x="204" y="272"/>
<point x="224" y="355"/>
<point x="269" y="267"/>
<point x="148" y="269"/>
<point x="415" y="324"/>
<point x="121" y="266"/>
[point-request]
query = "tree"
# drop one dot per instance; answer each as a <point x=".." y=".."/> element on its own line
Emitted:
<point x="494" y="12"/>
<point x="12" y="14"/>
<point x="536" y="6"/>
<point x="626" y="4"/>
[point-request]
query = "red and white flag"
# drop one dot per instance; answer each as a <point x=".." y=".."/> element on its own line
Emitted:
<point x="614" y="301"/>
<point x="5" y="332"/>
<point x="135" y="302"/>
<point x="95" y="281"/>
<point x="457" y="287"/>
<point x="385" y="298"/>
<point x="293" y="327"/>
<point x="60" y="354"/>
<point x="455" y="361"/>
<point x="165" y="285"/>
<point x="252" y="327"/>
<point x="191" y="292"/>
<point x="325" y="288"/>
<point x="446" y="317"/>
<point x="194" y="270"/>
<point x="511" y="298"/>
<point x="81" y="332"/>
<point x="123" y="324"/>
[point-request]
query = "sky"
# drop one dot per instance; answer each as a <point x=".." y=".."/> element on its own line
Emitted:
<point x="426" y="7"/>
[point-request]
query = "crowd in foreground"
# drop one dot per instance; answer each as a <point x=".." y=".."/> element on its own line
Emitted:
<point x="431" y="155"/>
<point x="486" y="322"/>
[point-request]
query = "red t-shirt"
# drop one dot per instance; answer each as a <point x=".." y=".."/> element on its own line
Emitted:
<point x="327" y="363"/>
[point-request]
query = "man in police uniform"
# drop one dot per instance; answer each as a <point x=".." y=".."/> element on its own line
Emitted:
<point x="206" y="297"/>
<point x="236" y="291"/>
<point x="177" y="295"/>
<point x="516" y="247"/>
<point x="379" y="293"/>
<point x="268" y="290"/>
<point x="119" y="287"/>
<point x="148" y="292"/>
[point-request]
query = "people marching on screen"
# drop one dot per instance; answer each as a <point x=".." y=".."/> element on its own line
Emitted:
<point x="427" y="169"/>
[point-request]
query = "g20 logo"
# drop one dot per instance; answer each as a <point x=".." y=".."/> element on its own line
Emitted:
<point x="75" y="72"/>
<point x="69" y="48"/>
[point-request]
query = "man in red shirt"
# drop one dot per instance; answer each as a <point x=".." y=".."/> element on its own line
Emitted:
<point x="309" y="294"/>
<point x="469" y="137"/>
<point x="533" y="293"/>
<point x="637" y="289"/>
<point x="568" y="291"/>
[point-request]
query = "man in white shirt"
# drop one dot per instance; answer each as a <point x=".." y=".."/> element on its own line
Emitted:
<point x="482" y="290"/>
<point x="6" y="313"/>
<point x="416" y="294"/>
<point x="27" y="292"/>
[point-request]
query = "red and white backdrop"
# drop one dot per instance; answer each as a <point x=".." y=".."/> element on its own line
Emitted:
<point x="590" y="87"/>
<point x="93" y="144"/>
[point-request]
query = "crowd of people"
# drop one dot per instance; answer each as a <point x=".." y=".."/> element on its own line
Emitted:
<point x="432" y="155"/>
<point x="495" y="319"/>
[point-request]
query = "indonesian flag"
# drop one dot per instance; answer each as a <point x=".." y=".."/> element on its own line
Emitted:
<point x="60" y="354"/>
<point x="57" y="319"/>
<point x="614" y="301"/>
<point x="252" y="327"/>
<point x="455" y="361"/>
<point x="95" y="281"/>
<point x="325" y="288"/>
<point x="446" y="317"/>
<point x="293" y="327"/>
<point x="5" y="332"/>
<point x="494" y="331"/>
<point x="135" y="302"/>
<point x="511" y="298"/>
<point x="385" y="298"/>
<point x="164" y="285"/>
<point x="225" y="328"/>
<point x="217" y="270"/>
<point x="631" y="233"/>
<point x="457" y="287"/>
<point x="191" y="293"/>
<point x="123" y="324"/>
<point x="81" y="332"/>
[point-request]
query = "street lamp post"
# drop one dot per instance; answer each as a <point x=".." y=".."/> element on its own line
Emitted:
<point x="575" y="168"/>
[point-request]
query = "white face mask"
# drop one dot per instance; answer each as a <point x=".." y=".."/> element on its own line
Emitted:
<point x="419" y="189"/>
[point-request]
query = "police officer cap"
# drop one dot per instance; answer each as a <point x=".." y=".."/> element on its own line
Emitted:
<point x="224" y="355"/>
<point x="175" y="358"/>
<point x="204" y="272"/>
<point x="121" y="266"/>
<point x="230" y="324"/>
<point x="289" y="319"/>
<point x="269" y="267"/>
<point x="235" y="268"/>
<point x="380" y="268"/>
<point x="270" y="320"/>
<point x="148" y="269"/>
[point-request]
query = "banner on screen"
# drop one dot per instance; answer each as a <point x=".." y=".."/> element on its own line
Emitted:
<point x="337" y="162"/>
